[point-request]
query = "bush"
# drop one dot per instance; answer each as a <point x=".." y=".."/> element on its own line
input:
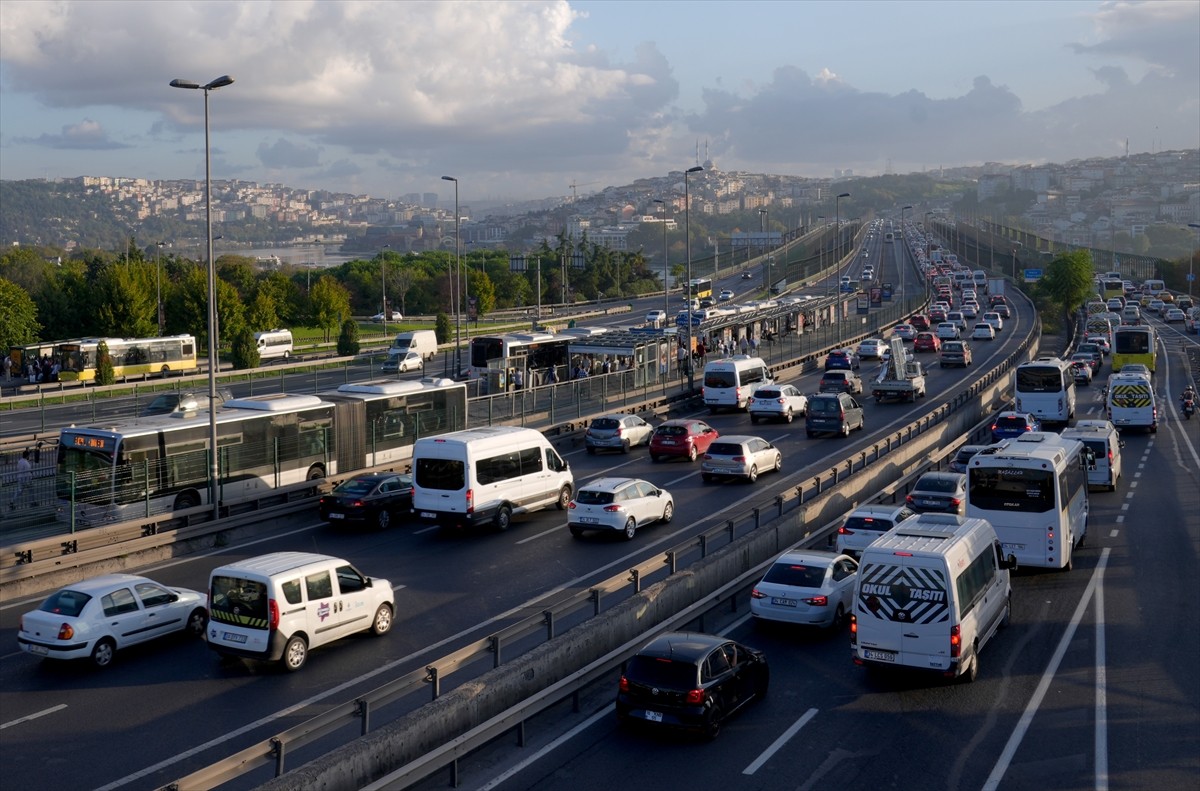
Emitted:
<point x="244" y="351"/>
<point x="347" y="343"/>
<point x="105" y="375"/>
<point x="442" y="328"/>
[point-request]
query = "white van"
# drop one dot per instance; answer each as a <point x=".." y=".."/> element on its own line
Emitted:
<point x="274" y="344"/>
<point x="423" y="342"/>
<point x="728" y="383"/>
<point x="930" y="594"/>
<point x="277" y="607"/>
<point x="1153" y="287"/>
<point x="487" y="475"/>
<point x="1130" y="402"/>
<point x="979" y="277"/>
<point x="1105" y="443"/>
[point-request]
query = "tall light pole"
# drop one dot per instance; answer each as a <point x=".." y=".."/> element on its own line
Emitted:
<point x="462" y="281"/>
<point x="837" y="214"/>
<point x="821" y="250"/>
<point x="213" y="362"/>
<point x="762" y="229"/>
<point x="158" y="246"/>
<point x="687" y="235"/>
<point x="666" y="290"/>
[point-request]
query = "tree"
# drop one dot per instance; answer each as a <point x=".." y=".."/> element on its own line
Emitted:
<point x="124" y="298"/>
<point x="262" y="314"/>
<point x="441" y="327"/>
<point x="347" y="343"/>
<point x="1067" y="281"/>
<point x="18" y="319"/>
<point x="330" y="305"/>
<point x="105" y="375"/>
<point x="244" y="351"/>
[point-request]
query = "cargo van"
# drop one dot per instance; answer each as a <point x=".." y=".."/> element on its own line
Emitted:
<point x="278" y="607"/>
<point x="1105" y="443"/>
<point x="1153" y="287"/>
<point x="1130" y="402"/>
<point x="274" y="344"/>
<point x="423" y="342"/>
<point x="487" y="476"/>
<point x="728" y="383"/>
<point x="931" y="593"/>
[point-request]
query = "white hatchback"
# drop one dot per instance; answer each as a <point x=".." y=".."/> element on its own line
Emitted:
<point x="948" y="331"/>
<point x="993" y="318"/>
<point x="777" y="401"/>
<point x="738" y="456"/>
<point x="618" y="505"/>
<point x="983" y="332"/>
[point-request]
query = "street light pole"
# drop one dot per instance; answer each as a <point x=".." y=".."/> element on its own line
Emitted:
<point x="837" y="213"/>
<point x="458" y="322"/>
<point x="762" y="229"/>
<point x="687" y="234"/>
<point x="666" y="289"/>
<point x="213" y="362"/>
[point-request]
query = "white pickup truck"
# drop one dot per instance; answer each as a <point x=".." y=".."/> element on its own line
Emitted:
<point x="899" y="378"/>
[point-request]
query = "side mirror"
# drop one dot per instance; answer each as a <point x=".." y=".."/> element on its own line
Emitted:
<point x="1010" y="563"/>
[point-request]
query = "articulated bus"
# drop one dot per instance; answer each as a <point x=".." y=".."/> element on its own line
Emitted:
<point x="141" y="467"/>
<point x="1045" y="388"/>
<point x="1033" y="490"/>
<point x="700" y="288"/>
<point x="1134" y="343"/>
<point x="130" y="356"/>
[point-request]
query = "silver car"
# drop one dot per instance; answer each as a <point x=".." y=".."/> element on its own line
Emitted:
<point x="737" y="456"/>
<point x="939" y="492"/>
<point x="783" y="402"/>
<point x="617" y="432"/>
<point x="806" y="587"/>
<point x="618" y="505"/>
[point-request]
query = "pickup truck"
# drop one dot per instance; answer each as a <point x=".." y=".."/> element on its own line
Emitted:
<point x="899" y="379"/>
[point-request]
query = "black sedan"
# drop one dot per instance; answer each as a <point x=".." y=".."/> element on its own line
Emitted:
<point x="373" y="498"/>
<point x="690" y="681"/>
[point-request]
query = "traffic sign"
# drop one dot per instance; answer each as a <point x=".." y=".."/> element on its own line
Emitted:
<point x="1032" y="275"/>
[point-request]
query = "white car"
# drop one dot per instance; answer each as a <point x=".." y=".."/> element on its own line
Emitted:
<point x="403" y="363"/>
<point x="948" y="331"/>
<point x="806" y="587"/>
<point x="1173" y="315"/>
<point x="739" y="456"/>
<point x="904" y="331"/>
<point x="726" y="295"/>
<point x="957" y="317"/>
<point x="656" y="317"/>
<point x="393" y="316"/>
<point x="993" y="318"/>
<point x="96" y="617"/>
<point x="871" y="349"/>
<point x="777" y="401"/>
<point x="983" y="332"/>
<point x="618" y="504"/>
<point x="1155" y="306"/>
<point x="617" y="432"/>
<point x="970" y="310"/>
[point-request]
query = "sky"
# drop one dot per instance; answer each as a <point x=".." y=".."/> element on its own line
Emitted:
<point x="519" y="100"/>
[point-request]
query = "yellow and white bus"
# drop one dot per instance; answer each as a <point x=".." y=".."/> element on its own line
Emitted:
<point x="130" y="356"/>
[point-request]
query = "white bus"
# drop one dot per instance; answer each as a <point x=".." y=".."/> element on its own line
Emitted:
<point x="141" y="467"/>
<point x="1033" y="489"/>
<point x="273" y="344"/>
<point x="1045" y="389"/>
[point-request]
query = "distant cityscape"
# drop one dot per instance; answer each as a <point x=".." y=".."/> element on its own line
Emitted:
<point x="1083" y="202"/>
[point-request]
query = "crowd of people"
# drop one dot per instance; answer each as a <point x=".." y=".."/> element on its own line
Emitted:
<point x="32" y="371"/>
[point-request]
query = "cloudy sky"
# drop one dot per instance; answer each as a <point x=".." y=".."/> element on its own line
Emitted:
<point x="519" y="99"/>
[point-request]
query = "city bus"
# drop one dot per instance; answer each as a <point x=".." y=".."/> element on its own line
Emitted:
<point x="1112" y="288"/>
<point x="132" y="468"/>
<point x="527" y="350"/>
<point x="700" y="288"/>
<point x="1134" y="344"/>
<point x="1033" y="490"/>
<point x="130" y="356"/>
<point x="1045" y="388"/>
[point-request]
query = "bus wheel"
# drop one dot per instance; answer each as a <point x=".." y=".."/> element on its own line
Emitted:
<point x="185" y="501"/>
<point x="503" y="518"/>
<point x="165" y="371"/>
<point x="315" y="473"/>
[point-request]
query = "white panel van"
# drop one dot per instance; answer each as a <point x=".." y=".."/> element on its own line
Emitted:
<point x="277" y="607"/>
<point x="487" y="476"/>
<point x="728" y="383"/>
<point x="1130" y="402"/>
<point x="1101" y="437"/>
<point x="423" y="342"/>
<point x="274" y="344"/>
<point x="931" y="592"/>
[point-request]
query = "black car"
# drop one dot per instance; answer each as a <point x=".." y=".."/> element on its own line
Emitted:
<point x="747" y="275"/>
<point x="959" y="462"/>
<point x="690" y="681"/>
<point x="370" y="497"/>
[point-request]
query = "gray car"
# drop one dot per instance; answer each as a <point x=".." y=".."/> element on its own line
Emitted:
<point x="617" y="432"/>
<point x="836" y="412"/>
<point x="739" y="456"/>
<point x="939" y="492"/>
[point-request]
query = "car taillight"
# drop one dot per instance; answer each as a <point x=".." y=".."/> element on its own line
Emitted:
<point x="272" y="614"/>
<point x="619" y="431"/>
<point x="995" y="426"/>
<point x="853" y="630"/>
<point x="781" y="401"/>
<point x="845" y="531"/>
<point x="955" y="642"/>
<point x="470" y="501"/>
<point x="356" y="504"/>
<point x="740" y="459"/>
<point x="66" y="632"/>
<point x="842" y="415"/>
<point x="955" y="501"/>
<point x="1110" y="457"/>
<point x="695" y="696"/>
<point x="908" y="499"/>
<point x="818" y="601"/>
<point x="571" y="505"/>
<point x="624" y="685"/>
<point x="757" y="594"/>
<point x="612" y="509"/>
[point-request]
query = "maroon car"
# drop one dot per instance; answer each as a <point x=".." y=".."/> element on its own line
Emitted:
<point x="926" y="342"/>
<point x="920" y="321"/>
<point x="681" y="437"/>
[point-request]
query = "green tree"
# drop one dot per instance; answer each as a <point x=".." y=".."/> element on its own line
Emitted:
<point x="244" y="351"/>
<point x="105" y="375"/>
<point x="1067" y="281"/>
<point x="347" y="342"/>
<point x="18" y="319"/>
<point x="124" y="295"/>
<point x="262" y="314"/>
<point x="329" y="305"/>
<point x="441" y="327"/>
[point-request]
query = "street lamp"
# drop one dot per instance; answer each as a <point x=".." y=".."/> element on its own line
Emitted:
<point x="762" y="229"/>
<point x="458" y="268"/>
<point x="837" y="214"/>
<point x="687" y="236"/>
<point x="158" y="246"/>
<point x="666" y="290"/>
<point x="213" y="362"/>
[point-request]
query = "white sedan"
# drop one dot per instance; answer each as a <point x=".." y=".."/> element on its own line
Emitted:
<point x="777" y="401"/>
<point x="983" y="332"/>
<point x="618" y="505"/>
<point x="948" y="331"/>
<point x="806" y="587"/>
<point x="96" y="617"/>
<point x="726" y="295"/>
<point x="871" y="348"/>
<point x="904" y="331"/>
<point x="392" y="316"/>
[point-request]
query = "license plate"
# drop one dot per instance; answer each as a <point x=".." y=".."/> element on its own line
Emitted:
<point x="428" y="515"/>
<point x="1013" y="546"/>
<point x="879" y="656"/>
<point x="40" y="650"/>
<point x="588" y="520"/>
<point x="783" y="602"/>
<point x="668" y="442"/>
<point x="930" y="502"/>
<point x="230" y="637"/>
<point x="337" y="516"/>
<point x="654" y="716"/>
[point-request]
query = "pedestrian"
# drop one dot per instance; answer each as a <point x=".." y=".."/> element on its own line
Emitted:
<point x="754" y="344"/>
<point x="518" y="379"/>
<point x="745" y="345"/>
<point x="24" y="479"/>
<point x="7" y="368"/>
<point x="551" y="376"/>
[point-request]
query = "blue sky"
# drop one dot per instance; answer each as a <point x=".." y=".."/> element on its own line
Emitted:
<point x="520" y="99"/>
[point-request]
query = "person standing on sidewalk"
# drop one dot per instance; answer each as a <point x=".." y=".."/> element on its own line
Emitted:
<point x="24" y="479"/>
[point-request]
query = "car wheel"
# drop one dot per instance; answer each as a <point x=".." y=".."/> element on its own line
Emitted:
<point x="778" y="462"/>
<point x="754" y="419"/>
<point x="845" y="429"/>
<point x="382" y="623"/>
<point x="103" y="652"/>
<point x="383" y="519"/>
<point x="972" y="672"/>
<point x="787" y="416"/>
<point x="653" y="457"/>
<point x="197" y="622"/>
<point x="625" y="446"/>
<point x="668" y="513"/>
<point x="564" y="498"/>
<point x="1007" y="619"/>
<point x="503" y="518"/>
<point x="712" y="723"/>
<point x="295" y="653"/>
<point x="630" y="528"/>
<point x="575" y="531"/>
<point x="692" y="453"/>
<point x="753" y="475"/>
<point x="839" y="617"/>
<point x="403" y="369"/>
<point x="591" y="451"/>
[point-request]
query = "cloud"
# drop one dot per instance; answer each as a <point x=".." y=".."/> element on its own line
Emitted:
<point x="87" y="135"/>
<point x="286" y="154"/>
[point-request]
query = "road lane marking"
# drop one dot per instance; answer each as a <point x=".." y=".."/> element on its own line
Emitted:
<point x="1101" y="692"/>
<point x="33" y="716"/>
<point x="778" y="743"/>
<point x="1014" y="741"/>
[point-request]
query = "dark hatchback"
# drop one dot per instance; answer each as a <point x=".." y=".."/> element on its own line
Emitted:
<point x="374" y="498"/>
<point x="841" y="360"/>
<point x="690" y="681"/>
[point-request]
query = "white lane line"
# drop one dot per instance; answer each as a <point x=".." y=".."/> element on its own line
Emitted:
<point x="1120" y="518"/>
<point x="33" y="716"/>
<point x="1114" y="533"/>
<point x="1014" y="741"/>
<point x="778" y="743"/>
<point x="607" y="711"/>
<point x="1101" y="692"/>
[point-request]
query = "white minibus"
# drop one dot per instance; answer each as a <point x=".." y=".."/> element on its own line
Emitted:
<point x="728" y="383"/>
<point x="274" y="344"/>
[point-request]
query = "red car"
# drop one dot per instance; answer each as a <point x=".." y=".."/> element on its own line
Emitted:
<point x="920" y="321"/>
<point x="937" y="316"/>
<point x="682" y="437"/>
<point x="926" y="342"/>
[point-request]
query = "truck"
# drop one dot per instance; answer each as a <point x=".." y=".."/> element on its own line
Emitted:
<point x="899" y="378"/>
<point x="995" y="286"/>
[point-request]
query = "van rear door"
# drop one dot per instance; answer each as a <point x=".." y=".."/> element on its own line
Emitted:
<point x="903" y="612"/>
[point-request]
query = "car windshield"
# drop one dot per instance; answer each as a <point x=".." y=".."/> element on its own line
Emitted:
<point x="661" y="672"/>
<point x="593" y="497"/>
<point x="835" y="376"/>
<point x="944" y="485"/>
<point x="765" y="393"/>
<point x="725" y="449"/>
<point x="65" y="602"/>
<point x="862" y="523"/>
<point x="671" y="431"/>
<point x="824" y="405"/>
<point x="606" y="423"/>
<point x="963" y="456"/>
<point x="1011" y="422"/>
<point x="720" y="379"/>
<point x="356" y="486"/>
<point x="796" y="575"/>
